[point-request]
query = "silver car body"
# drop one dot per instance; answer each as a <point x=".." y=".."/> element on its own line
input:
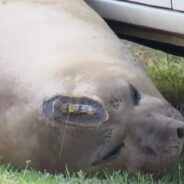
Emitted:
<point x="166" y="17"/>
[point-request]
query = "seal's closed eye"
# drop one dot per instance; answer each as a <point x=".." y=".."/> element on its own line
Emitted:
<point x="135" y="95"/>
<point x="79" y="111"/>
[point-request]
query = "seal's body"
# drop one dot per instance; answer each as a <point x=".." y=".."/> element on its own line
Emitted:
<point x="72" y="94"/>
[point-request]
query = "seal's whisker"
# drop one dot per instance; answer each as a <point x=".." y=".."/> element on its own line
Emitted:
<point x="64" y="134"/>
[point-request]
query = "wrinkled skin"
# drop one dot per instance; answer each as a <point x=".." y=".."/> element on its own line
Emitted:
<point x="51" y="51"/>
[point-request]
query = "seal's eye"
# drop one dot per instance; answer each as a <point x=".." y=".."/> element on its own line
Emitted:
<point x="135" y="95"/>
<point x="79" y="111"/>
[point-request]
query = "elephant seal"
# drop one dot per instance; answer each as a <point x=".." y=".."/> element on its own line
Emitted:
<point x="73" y="95"/>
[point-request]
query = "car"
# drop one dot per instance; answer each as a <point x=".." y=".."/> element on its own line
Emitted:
<point x="158" y="23"/>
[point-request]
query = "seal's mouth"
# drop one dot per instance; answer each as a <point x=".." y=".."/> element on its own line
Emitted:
<point x="111" y="155"/>
<point x="77" y="111"/>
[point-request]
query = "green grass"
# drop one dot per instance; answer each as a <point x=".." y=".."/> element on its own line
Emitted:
<point x="167" y="71"/>
<point x="8" y="175"/>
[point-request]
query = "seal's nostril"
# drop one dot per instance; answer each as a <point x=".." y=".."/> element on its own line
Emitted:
<point x="180" y="133"/>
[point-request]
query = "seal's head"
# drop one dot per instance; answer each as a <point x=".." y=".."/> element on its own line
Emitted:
<point x="122" y="128"/>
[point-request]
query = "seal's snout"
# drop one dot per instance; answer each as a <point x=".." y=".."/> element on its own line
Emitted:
<point x="154" y="137"/>
<point x="173" y="138"/>
<point x="173" y="129"/>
